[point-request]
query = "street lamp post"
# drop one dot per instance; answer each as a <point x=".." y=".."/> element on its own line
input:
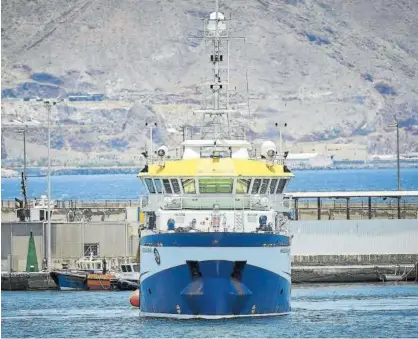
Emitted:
<point x="280" y="137"/>
<point x="397" y="155"/>
<point x="396" y="124"/>
<point x="48" y="104"/>
<point x="22" y="127"/>
<point x="24" y="160"/>
<point x="151" y="126"/>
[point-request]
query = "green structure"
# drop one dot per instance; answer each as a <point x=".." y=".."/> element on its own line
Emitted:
<point x="32" y="260"/>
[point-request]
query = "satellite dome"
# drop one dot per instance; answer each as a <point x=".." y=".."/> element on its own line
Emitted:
<point x="213" y="16"/>
<point x="268" y="149"/>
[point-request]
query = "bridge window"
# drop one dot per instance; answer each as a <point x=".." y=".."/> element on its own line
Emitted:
<point x="264" y="186"/>
<point x="256" y="186"/>
<point x="176" y="186"/>
<point x="167" y="186"/>
<point x="280" y="186"/>
<point x="135" y="268"/>
<point x="215" y="185"/>
<point x="158" y="185"/>
<point x="273" y="184"/>
<point x="150" y="185"/>
<point x="243" y="185"/>
<point x="189" y="186"/>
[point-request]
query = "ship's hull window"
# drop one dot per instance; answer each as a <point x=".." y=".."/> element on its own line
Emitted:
<point x="167" y="186"/>
<point x="256" y="186"/>
<point x="273" y="184"/>
<point x="189" y="186"/>
<point x="150" y="185"/>
<point x="158" y="185"/>
<point x="176" y="186"/>
<point x="280" y="186"/>
<point x="243" y="185"/>
<point x="264" y="186"/>
<point x="215" y="185"/>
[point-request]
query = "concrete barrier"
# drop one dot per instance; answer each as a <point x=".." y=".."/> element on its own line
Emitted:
<point x="21" y="281"/>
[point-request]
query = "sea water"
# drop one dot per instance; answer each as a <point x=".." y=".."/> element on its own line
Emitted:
<point x="351" y="311"/>
<point x="128" y="186"/>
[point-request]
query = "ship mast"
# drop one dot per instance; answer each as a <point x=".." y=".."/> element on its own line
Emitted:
<point x="216" y="118"/>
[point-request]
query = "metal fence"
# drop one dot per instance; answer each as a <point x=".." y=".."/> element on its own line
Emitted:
<point x="328" y="209"/>
<point x="122" y="203"/>
<point x="355" y="210"/>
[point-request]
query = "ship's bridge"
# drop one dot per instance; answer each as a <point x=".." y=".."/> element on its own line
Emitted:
<point x="218" y="173"/>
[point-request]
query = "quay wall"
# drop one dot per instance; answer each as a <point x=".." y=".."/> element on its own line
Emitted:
<point x="325" y="242"/>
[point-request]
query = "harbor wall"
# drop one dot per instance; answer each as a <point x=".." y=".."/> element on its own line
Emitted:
<point x="325" y="242"/>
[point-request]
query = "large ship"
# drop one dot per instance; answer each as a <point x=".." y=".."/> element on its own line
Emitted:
<point x="215" y="241"/>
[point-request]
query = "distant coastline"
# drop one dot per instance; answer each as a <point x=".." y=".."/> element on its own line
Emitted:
<point x="42" y="171"/>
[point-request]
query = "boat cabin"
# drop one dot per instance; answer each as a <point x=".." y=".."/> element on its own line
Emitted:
<point x="217" y="169"/>
<point x="132" y="267"/>
<point x="90" y="263"/>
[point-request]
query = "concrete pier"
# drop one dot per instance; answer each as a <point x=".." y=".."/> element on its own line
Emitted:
<point x="22" y="281"/>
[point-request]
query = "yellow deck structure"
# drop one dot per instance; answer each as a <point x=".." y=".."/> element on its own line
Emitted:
<point x="216" y="167"/>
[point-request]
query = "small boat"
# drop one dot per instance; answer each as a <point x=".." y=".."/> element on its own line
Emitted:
<point x="91" y="264"/>
<point x="101" y="282"/>
<point x="90" y="274"/>
<point x="128" y="278"/>
<point x="69" y="280"/>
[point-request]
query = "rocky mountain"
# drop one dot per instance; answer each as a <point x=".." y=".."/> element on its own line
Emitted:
<point x="332" y="70"/>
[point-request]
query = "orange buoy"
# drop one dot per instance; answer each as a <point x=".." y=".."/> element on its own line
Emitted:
<point x="134" y="299"/>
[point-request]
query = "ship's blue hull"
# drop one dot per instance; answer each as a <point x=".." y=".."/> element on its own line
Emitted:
<point x="213" y="288"/>
<point x="69" y="281"/>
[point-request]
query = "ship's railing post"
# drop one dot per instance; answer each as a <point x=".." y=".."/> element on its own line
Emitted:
<point x="235" y="215"/>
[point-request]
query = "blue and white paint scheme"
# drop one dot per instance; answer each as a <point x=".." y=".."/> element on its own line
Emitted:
<point x="214" y="241"/>
<point x="215" y="275"/>
<point x="70" y="281"/>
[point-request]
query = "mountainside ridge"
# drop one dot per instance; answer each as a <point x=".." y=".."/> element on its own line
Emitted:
<point x="331" y="70"/>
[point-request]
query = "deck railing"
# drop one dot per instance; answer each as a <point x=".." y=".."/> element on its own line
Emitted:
<point x="331" y="209"/>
